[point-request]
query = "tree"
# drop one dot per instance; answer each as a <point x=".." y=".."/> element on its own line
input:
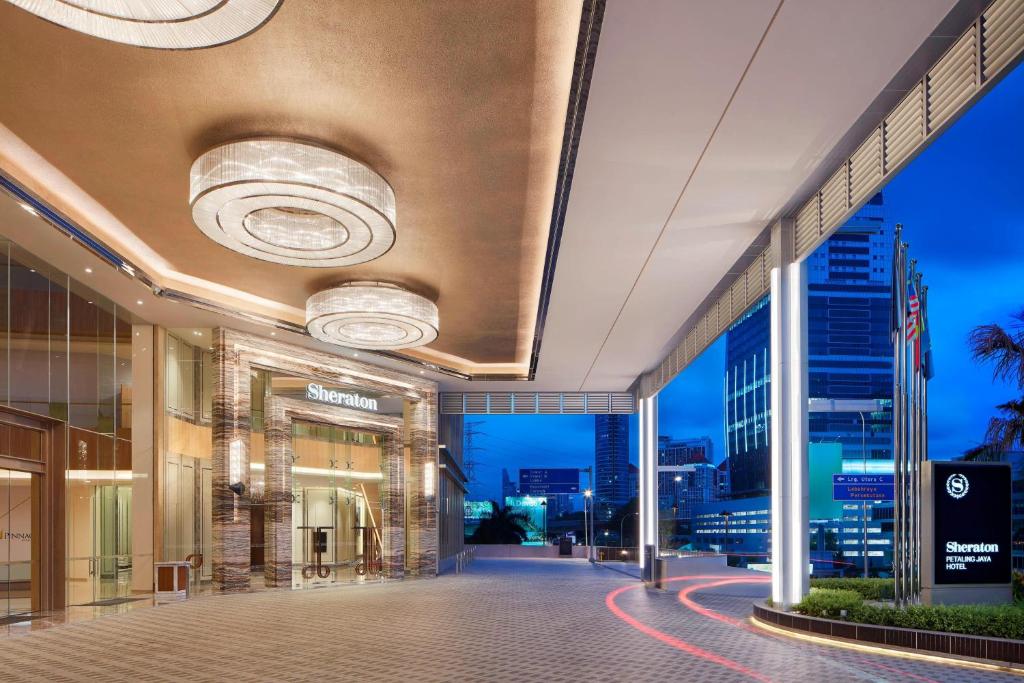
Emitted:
<point x="503" y="526"/>
<point x="1005" y="350"/>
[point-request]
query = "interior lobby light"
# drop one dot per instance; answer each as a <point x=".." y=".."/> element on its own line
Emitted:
<point x="166" y="24"/>
<point x="292" y="202"/>
<point x="371" y="315"/>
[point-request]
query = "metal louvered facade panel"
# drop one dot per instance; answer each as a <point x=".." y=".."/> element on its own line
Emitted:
<point x="574" y="403"/>
<point x="499" y="404"/>
<point x="598" y="403"/>
<point x="533" y="403"/>
<point x="835" y="196"/>
<point x="952" y="81"/>
<point x="475" y="404"/>
<point x="1002" y="35"/>
<point x="866" y="168"/>
<point x="985" y="51"/>
<point x="549" y="403"/>
<point x="452" y="404"/>
<point x="524" y="403"/>
<point x="808" y="226"/>
<point x="904" y="128"/>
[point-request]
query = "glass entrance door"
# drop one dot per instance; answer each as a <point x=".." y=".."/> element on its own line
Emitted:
<point x="18" y="513"/>
<point x="336" y="504"/>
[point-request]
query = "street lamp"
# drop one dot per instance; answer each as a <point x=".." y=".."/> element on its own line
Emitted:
<point x="621" y="544"/>
<point x="589" y="527"/>
<point x="725" y="544"/>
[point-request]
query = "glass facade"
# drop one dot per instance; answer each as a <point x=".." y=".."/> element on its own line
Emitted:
<point x="66" y="353"/>
<point x="611" y="459"/>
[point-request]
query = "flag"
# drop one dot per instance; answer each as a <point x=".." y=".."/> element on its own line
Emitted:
<point x="913" y="310"/>
<point x="927" y="363"/>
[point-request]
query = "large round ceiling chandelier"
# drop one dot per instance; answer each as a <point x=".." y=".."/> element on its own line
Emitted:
<point x="371" y="315"/>
<point x="167" y="24"/>
<point x="293" y="203"/>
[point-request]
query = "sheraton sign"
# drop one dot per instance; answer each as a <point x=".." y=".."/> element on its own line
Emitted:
<point x="334" y="397"/>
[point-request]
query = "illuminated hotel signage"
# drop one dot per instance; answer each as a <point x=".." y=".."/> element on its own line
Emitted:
<point x="335" y="397"/>
<point x="971" y="516"/>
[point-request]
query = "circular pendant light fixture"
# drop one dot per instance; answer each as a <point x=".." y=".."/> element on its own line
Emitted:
<point x="293" y="203"/>
<point x="371" y="315"/>
<point x="164" y="24"/>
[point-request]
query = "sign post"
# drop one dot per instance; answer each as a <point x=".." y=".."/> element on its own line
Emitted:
<point x="966" y="519"/>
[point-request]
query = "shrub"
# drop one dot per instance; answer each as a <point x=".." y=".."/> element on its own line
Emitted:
<point x="1018" y="587"/>
<point x="869" y="589"/>
<point x="829" y="602"/>
<point x="995" y="621"/>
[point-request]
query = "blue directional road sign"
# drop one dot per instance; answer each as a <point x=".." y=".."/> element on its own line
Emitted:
<point x="849" y="487"/>
<point x="546" y="481"/>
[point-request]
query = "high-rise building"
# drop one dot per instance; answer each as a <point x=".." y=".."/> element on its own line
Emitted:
<point x="849" y="351"/>
<point x="747" y="409"/>
<point x="673" y="454"/>
<point x="611" y="462"/>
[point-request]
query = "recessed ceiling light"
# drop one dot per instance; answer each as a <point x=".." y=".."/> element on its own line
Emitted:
<point x="166" y="24"/>
<point x="371" y="315"/>
<point x="293" y="203"/>
<point x="139" y="302"/>
<point x="273" y="334"/>
<point x="356" y="355"/>
<point x="89" y="302"/>
<point x="88" y="270"/>
<point x="30" y="209"/>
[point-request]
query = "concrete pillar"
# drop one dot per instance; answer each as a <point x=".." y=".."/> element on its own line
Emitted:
<point x="790" y="498"/>
<point x="648" y="460"/>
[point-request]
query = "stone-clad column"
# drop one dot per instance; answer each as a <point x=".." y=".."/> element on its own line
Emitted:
<point x="277" y="567"/>
<point x="392" y="500"/>
<point x="230" y="466"/>
<point x="422" y="487"/>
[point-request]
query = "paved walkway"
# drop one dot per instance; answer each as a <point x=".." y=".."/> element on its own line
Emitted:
<point x="503" y="620"/>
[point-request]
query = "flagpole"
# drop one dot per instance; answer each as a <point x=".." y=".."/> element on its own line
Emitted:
<point x="899" y="308"/>
<point x="918" y="440"/>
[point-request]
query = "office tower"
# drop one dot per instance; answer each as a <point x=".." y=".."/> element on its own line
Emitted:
<point x="611" y="463"/>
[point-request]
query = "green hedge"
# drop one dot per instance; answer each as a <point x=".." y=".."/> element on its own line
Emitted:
<point x="998" y="621"/>
<point x="869" y="589"/>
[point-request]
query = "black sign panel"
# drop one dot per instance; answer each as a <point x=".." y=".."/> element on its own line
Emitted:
<point x="972" y="522"/>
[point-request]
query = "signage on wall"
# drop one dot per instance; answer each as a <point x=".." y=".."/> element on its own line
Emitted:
<point x="971" y="508"/>
<point x="348" y="399"/>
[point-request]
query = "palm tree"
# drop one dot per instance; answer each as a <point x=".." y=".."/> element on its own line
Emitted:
<point x="503" y="526"/>
<point x="1005" y="349"/>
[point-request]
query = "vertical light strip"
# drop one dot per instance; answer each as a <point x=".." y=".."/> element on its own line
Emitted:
<point x="746" y="414"/>
<point x="643" y="492"/>
<point x="796" y="406"/>
<point x="753" y="393"/>
<point x="779" y="494"/>
<point x="652" y="477"/>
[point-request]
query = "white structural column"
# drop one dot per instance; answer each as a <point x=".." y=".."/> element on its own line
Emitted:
<point x="648" y="459"/>
<point x="790" y="498"/>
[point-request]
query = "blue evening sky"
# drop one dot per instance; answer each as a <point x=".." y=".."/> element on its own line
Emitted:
<point x="961" y="203"/>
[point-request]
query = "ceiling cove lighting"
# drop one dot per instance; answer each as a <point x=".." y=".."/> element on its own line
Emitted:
<point x="293" y="203"/>
<point x="371" y="315"/>
<point x="163" y="24"/>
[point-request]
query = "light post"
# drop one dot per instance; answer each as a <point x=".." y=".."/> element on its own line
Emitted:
<point x="588" y="497"/>
<point x="621" y="544"/>
<point x="725" y="543"/>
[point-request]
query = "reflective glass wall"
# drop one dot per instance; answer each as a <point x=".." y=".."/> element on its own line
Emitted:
<point x="66" y="352"/>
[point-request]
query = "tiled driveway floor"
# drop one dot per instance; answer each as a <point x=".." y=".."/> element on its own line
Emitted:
<point x="502" y="620"/>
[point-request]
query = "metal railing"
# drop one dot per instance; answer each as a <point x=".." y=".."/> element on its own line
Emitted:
<point x="463" y="558"/>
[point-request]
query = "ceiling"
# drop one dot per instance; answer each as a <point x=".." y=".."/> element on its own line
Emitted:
<point x="705" y="122"/>
<point x="460" y="105"/>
